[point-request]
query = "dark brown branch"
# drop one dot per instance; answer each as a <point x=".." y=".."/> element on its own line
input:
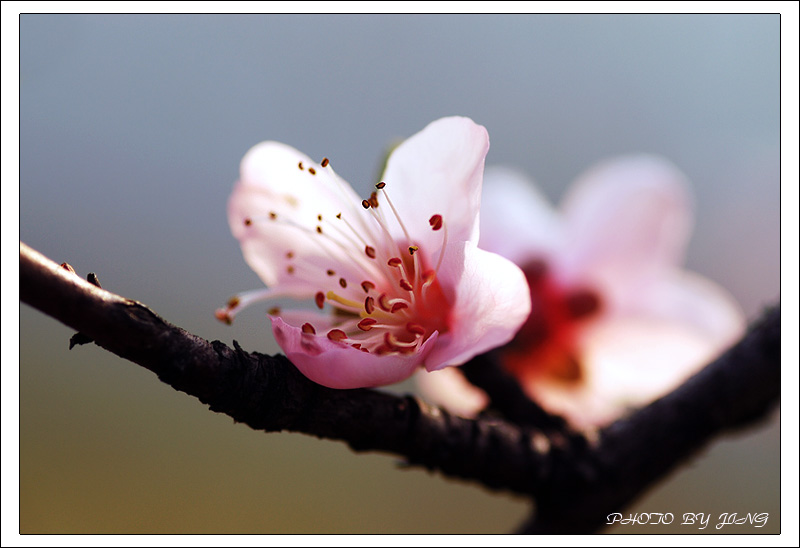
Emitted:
<point x="269" y="393"/>
<point x="575" y="486"/>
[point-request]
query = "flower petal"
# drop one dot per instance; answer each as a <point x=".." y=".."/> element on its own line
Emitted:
<point x="448" y="388"/>
<point x="338" y="365"/>
<point x="626" y="221"/>
<point x="629" y="362"/>
<point x="517" y="221"/>
<point x="281" y="202"/>
<point x="439" y="171"/>
<point x="491" y="300"/>
<point x="694" y="301"/>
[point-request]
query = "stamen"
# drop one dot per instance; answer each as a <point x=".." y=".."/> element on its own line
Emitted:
<point x="399" y="305"/>
<point x="394" y="261"/>
<point x="312" y="171"/>
<point x="354" y="306"/>
<point x="324" y="162"/>
<point x="366" y="285"/>
<point x="336" y="335"/>
<point x="412" y="249"/>
<point x="405" y="285"/>
<point x="366" y="324"/>
<point x="308" y="328"/>
<point x="365" y="204"/>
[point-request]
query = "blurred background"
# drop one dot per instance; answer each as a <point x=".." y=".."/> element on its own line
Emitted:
<point x="132" y="129"/>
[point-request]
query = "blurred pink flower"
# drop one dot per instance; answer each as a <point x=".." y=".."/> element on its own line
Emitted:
<point x="615" y="322"/>
<point x="402" y="278"/>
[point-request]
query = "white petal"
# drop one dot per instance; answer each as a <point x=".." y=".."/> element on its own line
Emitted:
<point x="449" y="389"/>
<point x="491" y="300"/>
<point x="273" y="185"/>
<point x="439" y="171"/>
<point x="627" y="363"/>
<point x="516" y="220"/>
<point x="626" y="221"/>
<point x="698" y="303"/>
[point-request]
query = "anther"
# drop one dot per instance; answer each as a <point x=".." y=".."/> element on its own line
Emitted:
<point x="405" y="285"/>
<point x="336" y="335"/>
<point x="366" y="324"/>
<point x="369" y="305"/>
<point x="308" y="328"/>
<point x="415" y="328"/>
<point x="290" y="254"/>
<point x="370" y="251"/>
<point x="412" y="249"/>
<point x="436" y="222"/>
<point x="273" y="215"/>
<point x="300" y="165"/>
<point x="290" y="269"/>
<point x="373" y="199"/>
<point x="366" y="285"/>
<point x="365" y="204"/>
<point x="380" y="185"/>
<point x="319" y="217"/>
<point x="319" y="229"/>
<point x="400" y="305"/>
<point x="223" y="316"/>
<point x="342" y="282"/>
<point x="274" y="311"/>
<point x="330" y="272"/>
<point x="428" y="276"/>
<point x="394" y="261"/>
<point x="319" y="298"/>
<point x="312" y="171"/>
<point x="248" y="221"/>
<point x="382" y="302"/>
<point x="324" y="162"/>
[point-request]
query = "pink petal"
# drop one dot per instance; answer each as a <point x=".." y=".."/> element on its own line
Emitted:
<point x="626" y="221"/>
<point x="491" y="300"/>
<point x="439" y="171"/>
<point x="517" y="222"/>
<point x="337" y="365"/>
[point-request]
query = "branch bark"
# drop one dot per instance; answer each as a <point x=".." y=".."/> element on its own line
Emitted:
<point x="575" y="484"/>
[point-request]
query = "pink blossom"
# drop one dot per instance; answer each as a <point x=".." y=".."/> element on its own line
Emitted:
<point x="615" y="323"/>
<point x="397" y="278"/>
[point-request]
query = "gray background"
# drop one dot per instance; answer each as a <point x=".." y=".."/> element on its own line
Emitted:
<point x="132" y="129"/>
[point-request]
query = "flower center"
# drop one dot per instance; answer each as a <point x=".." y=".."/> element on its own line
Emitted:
<point x="546" y="343"/>
<point x="382" y="291"/>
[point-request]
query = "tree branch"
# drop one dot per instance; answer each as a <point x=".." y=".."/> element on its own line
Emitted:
<point x="575" y="485"/>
